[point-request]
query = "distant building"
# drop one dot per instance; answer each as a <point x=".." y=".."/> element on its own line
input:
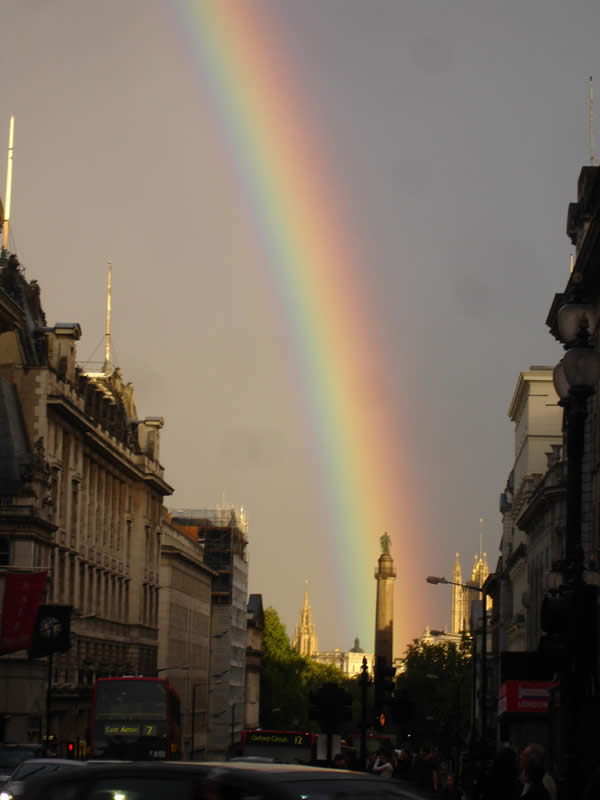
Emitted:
<point x="440" y="637"/>
<point x="223" y="532"/>
<point x="464" y="597"/>
<point x="304" y="641"/>
<point x="348" y="661"/>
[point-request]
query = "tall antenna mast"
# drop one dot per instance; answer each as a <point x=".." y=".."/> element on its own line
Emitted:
<point x="107" y="349"/>
<point x="480" y="538"/>
<point x="11" y="135"/>
<point x="591" y="123"/>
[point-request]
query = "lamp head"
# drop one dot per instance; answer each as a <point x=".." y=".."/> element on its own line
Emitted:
<point x="582" y="367"/>
<point x="574" y="318"/>
<point x="559" y="379"/>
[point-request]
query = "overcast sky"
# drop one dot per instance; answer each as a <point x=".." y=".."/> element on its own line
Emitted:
<point x="455" y="132"/>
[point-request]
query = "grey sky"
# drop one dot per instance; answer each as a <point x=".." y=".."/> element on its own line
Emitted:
<point x="458" y="130"/>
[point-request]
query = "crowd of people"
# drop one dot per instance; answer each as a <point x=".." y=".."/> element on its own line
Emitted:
<point x="478" y="776"/>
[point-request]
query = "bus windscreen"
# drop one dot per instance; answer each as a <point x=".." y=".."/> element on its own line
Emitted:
<point x="130" y="719"/>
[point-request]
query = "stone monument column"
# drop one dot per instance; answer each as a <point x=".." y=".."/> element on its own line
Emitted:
<point x="385" y="575"/>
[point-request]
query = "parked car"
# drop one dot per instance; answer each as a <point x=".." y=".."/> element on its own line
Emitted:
<point x="11" y="756"/>
<point x="33" y="767"/>
<point x="211" y="781"/>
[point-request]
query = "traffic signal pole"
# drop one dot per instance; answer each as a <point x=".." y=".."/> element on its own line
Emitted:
<point x="48" y="703"/>
<point x="330" y="705"/>
<point x="364" y="682"/>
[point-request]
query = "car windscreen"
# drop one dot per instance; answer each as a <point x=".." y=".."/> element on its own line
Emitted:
<point x="31" y="768"/>
<point x="12" y="757"/>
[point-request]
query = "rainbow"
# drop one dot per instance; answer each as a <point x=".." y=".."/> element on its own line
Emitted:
<point x="313" y="267"/>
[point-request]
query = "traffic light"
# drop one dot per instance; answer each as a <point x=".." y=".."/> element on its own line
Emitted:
<point x="557" y="612"/>
<point x="345" y="705"/>
<point x="388" y="684"/>
<point x="330" y="705"/>
<point x="403" y="708"/>
<point x="71" y="749"/>
<point x="314" y="706"/>
<point x="384" y="686"/>
<point x="558" y="620"/>
<point x="569" y="619"/>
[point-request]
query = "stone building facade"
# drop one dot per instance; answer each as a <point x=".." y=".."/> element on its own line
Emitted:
<point x="583" y="229"/>
<point x="532" y="509"/>
<point x="347" y="661"/>
<point x="81" y="493"/>
<point x="223" y="532"/>
<point x="185" y="607"/>
<point x="533" y="504"/>
<point x="463" y="598"/>
<point x="256" y="624"/>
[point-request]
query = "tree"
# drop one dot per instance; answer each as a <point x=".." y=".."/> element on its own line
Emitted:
<point x="433" y="692"/>
<point x="281" y="691"/>
<point x="288" y="678"/>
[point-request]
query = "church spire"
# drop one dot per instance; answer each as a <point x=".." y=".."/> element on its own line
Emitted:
<point x="457" y="623"/>
<point x="305" y="637"/>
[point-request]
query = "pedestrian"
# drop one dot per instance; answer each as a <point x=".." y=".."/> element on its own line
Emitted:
<point x="533" y="770"/>
<point x="451" y="790"/>
<point x="383" y="766"/>
<point x="502" y="781"/>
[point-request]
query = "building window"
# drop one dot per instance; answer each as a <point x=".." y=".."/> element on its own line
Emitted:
<point x="74" y="507"/>
<point x="148" y="546"/>
<point x="81" y="588"/>
<point x="55" y="483"/>
<point x="128" y="543"/>
<point x="4" y="553"/>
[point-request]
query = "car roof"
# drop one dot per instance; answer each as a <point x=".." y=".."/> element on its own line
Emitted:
<point x="70" y="761"/>
<point x="279" y="772"/>
<point x="278" y="777"/>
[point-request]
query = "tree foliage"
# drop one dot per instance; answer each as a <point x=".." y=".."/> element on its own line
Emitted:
<point x="288" y="678"/>
<point x="434" y="692"/>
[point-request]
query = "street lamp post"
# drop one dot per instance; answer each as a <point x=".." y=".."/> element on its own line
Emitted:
<point x="483" y="667"/>
<point x="575" y="378"/>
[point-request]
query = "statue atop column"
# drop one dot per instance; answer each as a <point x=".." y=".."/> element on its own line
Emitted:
<point x="385" y="543"/>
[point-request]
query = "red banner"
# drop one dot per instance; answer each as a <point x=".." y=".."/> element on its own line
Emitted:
<point x="22" y="597"/>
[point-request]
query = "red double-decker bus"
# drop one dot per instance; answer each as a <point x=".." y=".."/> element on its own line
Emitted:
<point x="286" y="747"/>
<point x="135" y="719"/>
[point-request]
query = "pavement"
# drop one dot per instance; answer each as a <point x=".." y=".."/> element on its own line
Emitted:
<point x="413" y="792"/>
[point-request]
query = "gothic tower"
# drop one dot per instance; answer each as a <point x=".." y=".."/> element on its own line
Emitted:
<point x="463" y="597"/>
<point x="305" y="638"/>
<point x="384" y="612"/>
<point x="459" y="622"/>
